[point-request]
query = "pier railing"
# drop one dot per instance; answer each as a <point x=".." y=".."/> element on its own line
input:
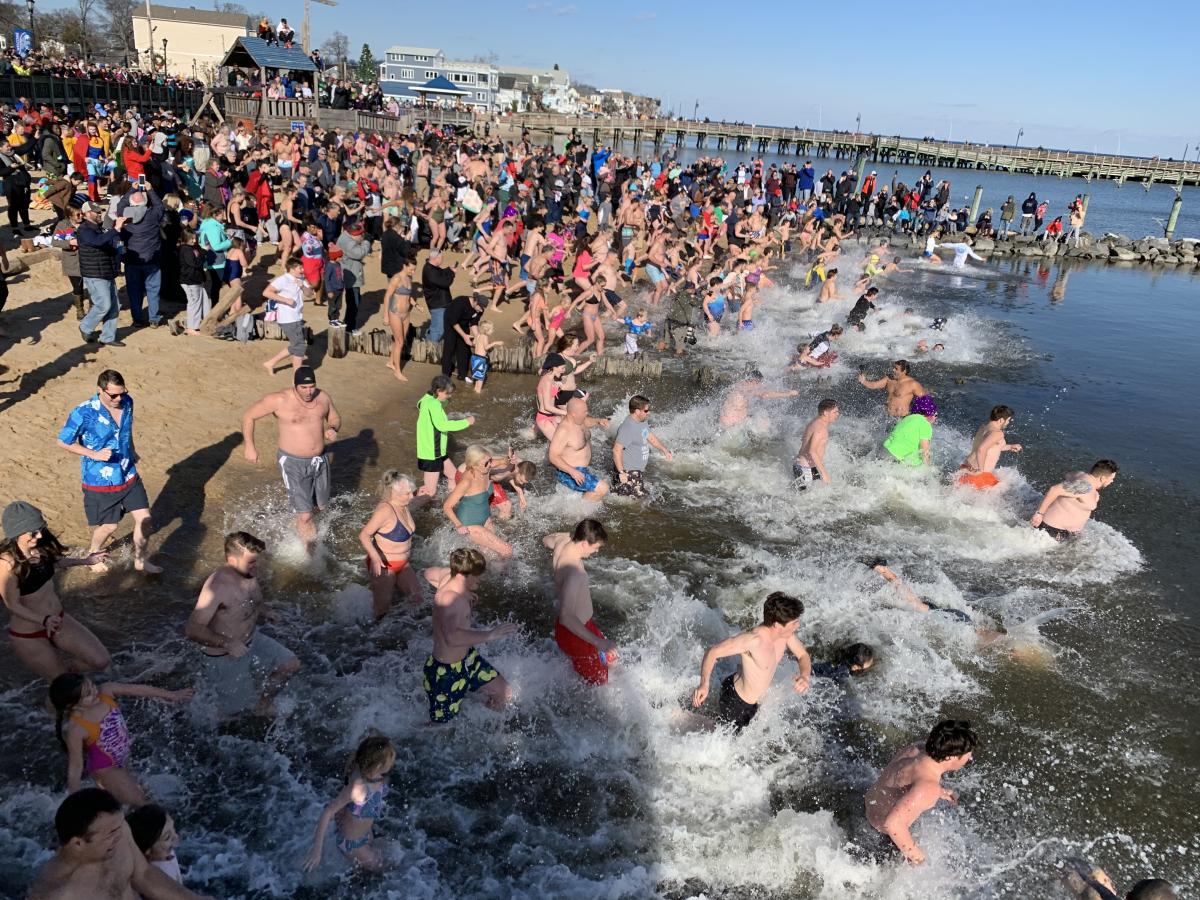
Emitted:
<point x="721" y="136"/>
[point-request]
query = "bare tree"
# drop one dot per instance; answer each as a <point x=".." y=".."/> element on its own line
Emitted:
<point x="119" y="24"/>
<point x="85" y="10"/>
<point x="337" y="48"/>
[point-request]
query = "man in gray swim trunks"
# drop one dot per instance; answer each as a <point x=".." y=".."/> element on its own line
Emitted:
<point x="245" y="667"/>
<point x="306" y="419"/>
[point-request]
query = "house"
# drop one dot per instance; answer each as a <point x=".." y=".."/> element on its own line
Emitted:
<point x="538" y="89"/>
<point x="412" y="74"/>
<point x="196" y="39"/>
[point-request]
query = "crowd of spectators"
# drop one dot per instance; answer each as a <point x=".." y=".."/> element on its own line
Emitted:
<point x="73" y="67"/>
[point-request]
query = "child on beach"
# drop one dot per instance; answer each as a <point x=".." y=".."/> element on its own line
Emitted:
<point x="481" y="343"/>
<point x="636" y="325"/>
<point x="95" y="737"/>
<point x="356" y="807"/>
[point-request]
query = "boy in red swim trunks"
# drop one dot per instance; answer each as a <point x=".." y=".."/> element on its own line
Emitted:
<point x="590" y="652"/>
<point x="989" y="443"/>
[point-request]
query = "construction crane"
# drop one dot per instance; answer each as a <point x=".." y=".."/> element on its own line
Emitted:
<point x="304" y="28"/>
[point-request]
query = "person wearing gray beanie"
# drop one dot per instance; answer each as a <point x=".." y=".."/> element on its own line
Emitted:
<point x="41" y="632"/>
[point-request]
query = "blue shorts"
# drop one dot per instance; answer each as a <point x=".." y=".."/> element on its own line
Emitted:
<point x="655" y="273"/>
<point x="479" y="367"/>
<point x="589" y="480"/>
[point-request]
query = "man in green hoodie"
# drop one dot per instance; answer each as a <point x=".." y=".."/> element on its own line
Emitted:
<point x="433" y="429"/>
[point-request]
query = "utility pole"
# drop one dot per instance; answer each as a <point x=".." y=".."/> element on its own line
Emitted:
<point x="696" y="111"/>
<point x="150" y="35"/>
<point x="858" y="124"/>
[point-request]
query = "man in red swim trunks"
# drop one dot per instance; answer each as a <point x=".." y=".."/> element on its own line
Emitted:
<point x="590" y="652"/>
<point x="986" y="448"/>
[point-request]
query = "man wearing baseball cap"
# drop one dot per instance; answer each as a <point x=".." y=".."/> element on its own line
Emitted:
<point x="98" y="264"/>
<point x="306" y="419"/>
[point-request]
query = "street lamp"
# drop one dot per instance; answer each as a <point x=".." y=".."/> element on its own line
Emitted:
<point x="29" y="3"/>
<point x="1020" y="132"/>
<point x="164" y="56"/>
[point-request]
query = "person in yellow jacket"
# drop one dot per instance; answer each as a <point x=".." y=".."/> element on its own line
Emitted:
<point x="433" y="429"/>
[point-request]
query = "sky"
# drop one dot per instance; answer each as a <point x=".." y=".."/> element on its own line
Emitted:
<point x="1097" y="77"/>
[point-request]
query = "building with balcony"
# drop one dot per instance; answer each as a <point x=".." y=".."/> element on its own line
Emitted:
<point x="412" y="74"/>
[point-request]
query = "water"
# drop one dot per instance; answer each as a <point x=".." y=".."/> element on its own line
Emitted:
<point x="1087" y="710"/>
<point x="1131" y="210"/>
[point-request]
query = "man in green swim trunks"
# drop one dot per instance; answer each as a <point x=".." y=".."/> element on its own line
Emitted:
<point x="911" y="436"/>
<point x="455" y="666"/>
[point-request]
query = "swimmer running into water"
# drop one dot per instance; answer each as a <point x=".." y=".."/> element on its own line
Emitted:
<point x="809" y="465"/>
<point x="901" y="387"/>
<point x="912" y="783"/>
<point x="356" y="807"/>
<point x="737" y="404"/>
<point x="575" y="631"/>
<point x="986" y="448"/>
<point x="1068" y="505"/>
<point x="761" y="648"/>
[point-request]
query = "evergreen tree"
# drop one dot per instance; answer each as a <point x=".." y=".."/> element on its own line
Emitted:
<point x="368" y="68"/>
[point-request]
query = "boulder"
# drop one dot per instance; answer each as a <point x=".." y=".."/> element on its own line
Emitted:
<point x="984" y="245"/>
<point x="1080" y="253"/>
<point x="1123" y="254"/>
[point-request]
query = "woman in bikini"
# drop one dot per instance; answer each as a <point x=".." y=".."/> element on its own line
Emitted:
<point x="397" y="304"/>
<point x="38" y="628"/>
<point x="95" y="737"/>
<point x="469" y="506"/>
<point x="387" y="540"/>
<point x="289" y="225"/>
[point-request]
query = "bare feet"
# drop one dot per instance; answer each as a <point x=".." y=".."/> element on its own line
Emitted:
<point x="100" y="567"/>
<point x="270" y="367"/>
<point x="147" y="567"/>
<point x="190" y="331"/>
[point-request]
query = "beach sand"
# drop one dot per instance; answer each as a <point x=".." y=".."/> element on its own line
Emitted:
<point x="190" y="393"/>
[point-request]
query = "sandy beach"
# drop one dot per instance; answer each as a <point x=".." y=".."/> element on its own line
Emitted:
<point x="189" y="392"/>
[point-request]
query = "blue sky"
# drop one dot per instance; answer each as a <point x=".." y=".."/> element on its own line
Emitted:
<point x="1088" y="76"/>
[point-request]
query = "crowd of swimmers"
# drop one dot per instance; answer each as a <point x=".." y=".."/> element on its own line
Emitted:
<point x="705" y="241"/>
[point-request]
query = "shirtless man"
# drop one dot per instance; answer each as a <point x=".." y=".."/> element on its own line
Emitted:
<point x="901" y="388"/>
<point x="809" y="465"/>
<point x="829" y="288"/>
<point x="737" y="404"/>
<point x="455" y="666"/>
<point x="657" y="265"/>
<point x="576" y="634"/>
<point x="307" y="420"/>
<point x="245" y="665"/>
<point x="1067" y="506"/>
<point x="989" y="443"/>
<point x="571" y="451"/>
<point x="912" y="783"/>
<point x="97" y="857"/>
<point x="761" y="649"/>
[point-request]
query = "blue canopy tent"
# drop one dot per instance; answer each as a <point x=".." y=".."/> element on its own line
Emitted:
<point x="439" y="86"/>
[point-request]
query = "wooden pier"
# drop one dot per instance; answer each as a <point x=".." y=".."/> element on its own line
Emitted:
<point x="722" y="137"/>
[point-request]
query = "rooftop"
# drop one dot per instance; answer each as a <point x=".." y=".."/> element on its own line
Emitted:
<point x="191" y="14"/>
<point x="416" y="51"/>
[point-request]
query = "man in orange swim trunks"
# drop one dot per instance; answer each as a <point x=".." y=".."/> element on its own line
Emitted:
<point x="989" y="443"/>
<point x="590" y="652"/>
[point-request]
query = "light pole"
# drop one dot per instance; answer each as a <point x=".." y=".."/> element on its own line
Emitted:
<point x="164" y="56"/>
<point x="29" y="3"/>
<point x="696" y="111"/>
<point x="858" y="124"/>
<point x="1020" y="132"/>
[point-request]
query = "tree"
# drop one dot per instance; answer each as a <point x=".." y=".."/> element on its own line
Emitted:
<point x="118" y="16"/>
<point x="337" y="48"/>
<point x="86" y="38"/>
<point x="368" y="66"/>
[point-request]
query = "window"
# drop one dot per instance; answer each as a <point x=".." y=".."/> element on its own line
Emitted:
<point x="430" y="75"/>
<point x="462" y="78"/>
<point x="393" y="57"/>
<point x="383" y="73"/>
<point x="421" y="59"/>
<point x="408" y="75"/>
<point x="480" y="95"/>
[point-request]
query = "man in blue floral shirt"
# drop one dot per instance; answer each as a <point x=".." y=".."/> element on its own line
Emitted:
<point x="100" y="432"/>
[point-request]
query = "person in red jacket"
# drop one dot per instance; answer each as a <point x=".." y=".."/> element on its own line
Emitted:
<point x="134" y="157"/>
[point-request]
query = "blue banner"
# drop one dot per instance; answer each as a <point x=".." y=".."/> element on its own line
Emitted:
<point x="22" y="42"/>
